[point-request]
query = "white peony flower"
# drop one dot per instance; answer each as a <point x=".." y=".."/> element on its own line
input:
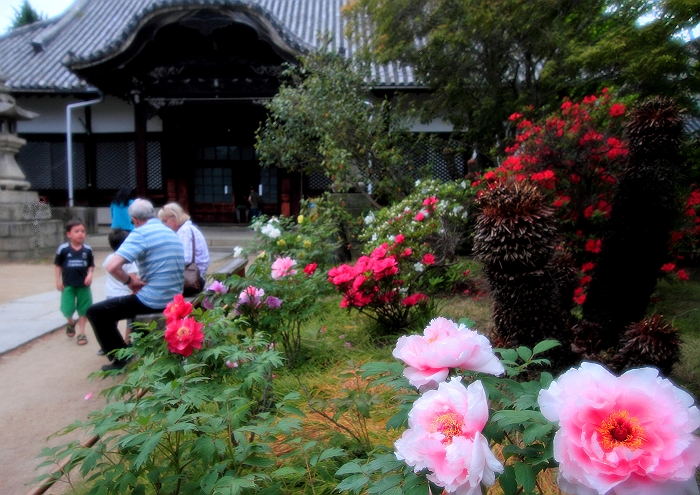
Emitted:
<point x="238" y="252"/>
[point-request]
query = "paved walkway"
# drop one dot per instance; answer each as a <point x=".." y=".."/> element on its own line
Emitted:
<point x="27" y="318"/>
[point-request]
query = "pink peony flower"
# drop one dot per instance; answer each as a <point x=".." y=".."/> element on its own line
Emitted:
<point x="444" y="345"/>
<point x="273" y="302"/>
<point x="183" y="336"/>
<point x="624" y="435"/>
<point x="177" y="309"/>
<point x="444" y="436"/>
<point x="217" y="287"/>
<point x="282" y="267"/>
<point x="251" y="296"/>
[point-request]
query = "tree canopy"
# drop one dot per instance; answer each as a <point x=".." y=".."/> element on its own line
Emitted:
<point x="485" y="59"/>
<point x="325" y="120"/>
<point x="25" y="15"/>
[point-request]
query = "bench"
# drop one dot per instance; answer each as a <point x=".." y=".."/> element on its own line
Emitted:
<point x="235" y="266"/>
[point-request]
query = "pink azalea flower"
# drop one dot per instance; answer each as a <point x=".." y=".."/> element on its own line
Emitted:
<point x="282" y="267"/>
<point x="444" y="436"/>
<point x="624" y="435"/>
<point x="444" y="345"/>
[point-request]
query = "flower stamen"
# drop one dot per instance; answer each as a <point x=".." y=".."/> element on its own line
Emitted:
<point x="619" y="429"/>
<point x="449" y="424"/>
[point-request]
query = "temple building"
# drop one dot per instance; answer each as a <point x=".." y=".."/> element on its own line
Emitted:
<point x="165" y="96"/>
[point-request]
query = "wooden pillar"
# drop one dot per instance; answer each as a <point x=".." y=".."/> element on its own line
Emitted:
<point x="141" y="166"/>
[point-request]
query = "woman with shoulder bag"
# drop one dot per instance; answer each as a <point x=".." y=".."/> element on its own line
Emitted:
<point x="194" y="246"/>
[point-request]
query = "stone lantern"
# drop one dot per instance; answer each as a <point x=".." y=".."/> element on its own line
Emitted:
<point x="11" y="177"/>
<point x="26" y="227"/>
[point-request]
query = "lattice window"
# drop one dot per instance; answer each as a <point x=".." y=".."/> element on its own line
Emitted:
<point x="444" y="167"/>
<point x="268" y="179"/>
<point x="44" y="164"/>
<point x="116" y="164"/>
<point x="213" y="185"/>
<point x="154" y="165"/>
<point x="318" y="181"/>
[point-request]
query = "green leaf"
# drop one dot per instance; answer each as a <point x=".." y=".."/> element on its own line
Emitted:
<point x="349" y="468"/>
<point x="208" y="481"/>
<point x="507" y="481"/>
<point x="508" y="355"/>
<point x="525" y="476"/>
<point x="287" y="471"/>
<point x="535" y="432"/>
<point x="146" y="448"/>
<point x="467" y="322"/>
<point x="545" y="345"/>
<point x="386" y="483"/>
<point x="293" y="410"/>
<point x="353" y="483"/>
<point x="332" y="452"/>
<point x="508" y="418"/>
<point x="524" y="353"/>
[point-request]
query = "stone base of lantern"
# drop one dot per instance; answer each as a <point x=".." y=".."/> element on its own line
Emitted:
<point x="27" y="230"/>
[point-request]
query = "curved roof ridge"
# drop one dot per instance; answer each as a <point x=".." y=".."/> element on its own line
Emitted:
<point x="40" y="42"/>
<point x="18" y="31"/>
<point x="122" y="39"/>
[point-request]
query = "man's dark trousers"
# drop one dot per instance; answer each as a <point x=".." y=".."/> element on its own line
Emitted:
<point x="105" y="315"/>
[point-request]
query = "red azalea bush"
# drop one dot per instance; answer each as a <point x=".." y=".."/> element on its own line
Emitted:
<point x="575" y="155"/>
<point x="685" y="240"/>
<point x="385" y="285"/>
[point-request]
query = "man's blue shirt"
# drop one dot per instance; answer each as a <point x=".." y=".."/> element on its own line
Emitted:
<point x="158" y="252"/>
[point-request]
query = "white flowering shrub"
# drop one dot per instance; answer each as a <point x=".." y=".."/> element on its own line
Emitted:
<point x="435" y="215"/>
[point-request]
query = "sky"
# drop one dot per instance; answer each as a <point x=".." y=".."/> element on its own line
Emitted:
<point x="49" y="8"/>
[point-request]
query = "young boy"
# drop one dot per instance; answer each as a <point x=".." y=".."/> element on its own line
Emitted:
<point x="74" y="266"/>
<point x="113" y="287"/>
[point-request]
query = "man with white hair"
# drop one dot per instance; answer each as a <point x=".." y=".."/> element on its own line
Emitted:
<point x="158" y="252"/>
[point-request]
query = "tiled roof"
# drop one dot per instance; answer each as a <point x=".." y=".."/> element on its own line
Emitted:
<point x="34" y="57"/>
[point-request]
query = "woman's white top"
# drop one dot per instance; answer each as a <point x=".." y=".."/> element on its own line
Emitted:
<point x="201" y="251"/>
